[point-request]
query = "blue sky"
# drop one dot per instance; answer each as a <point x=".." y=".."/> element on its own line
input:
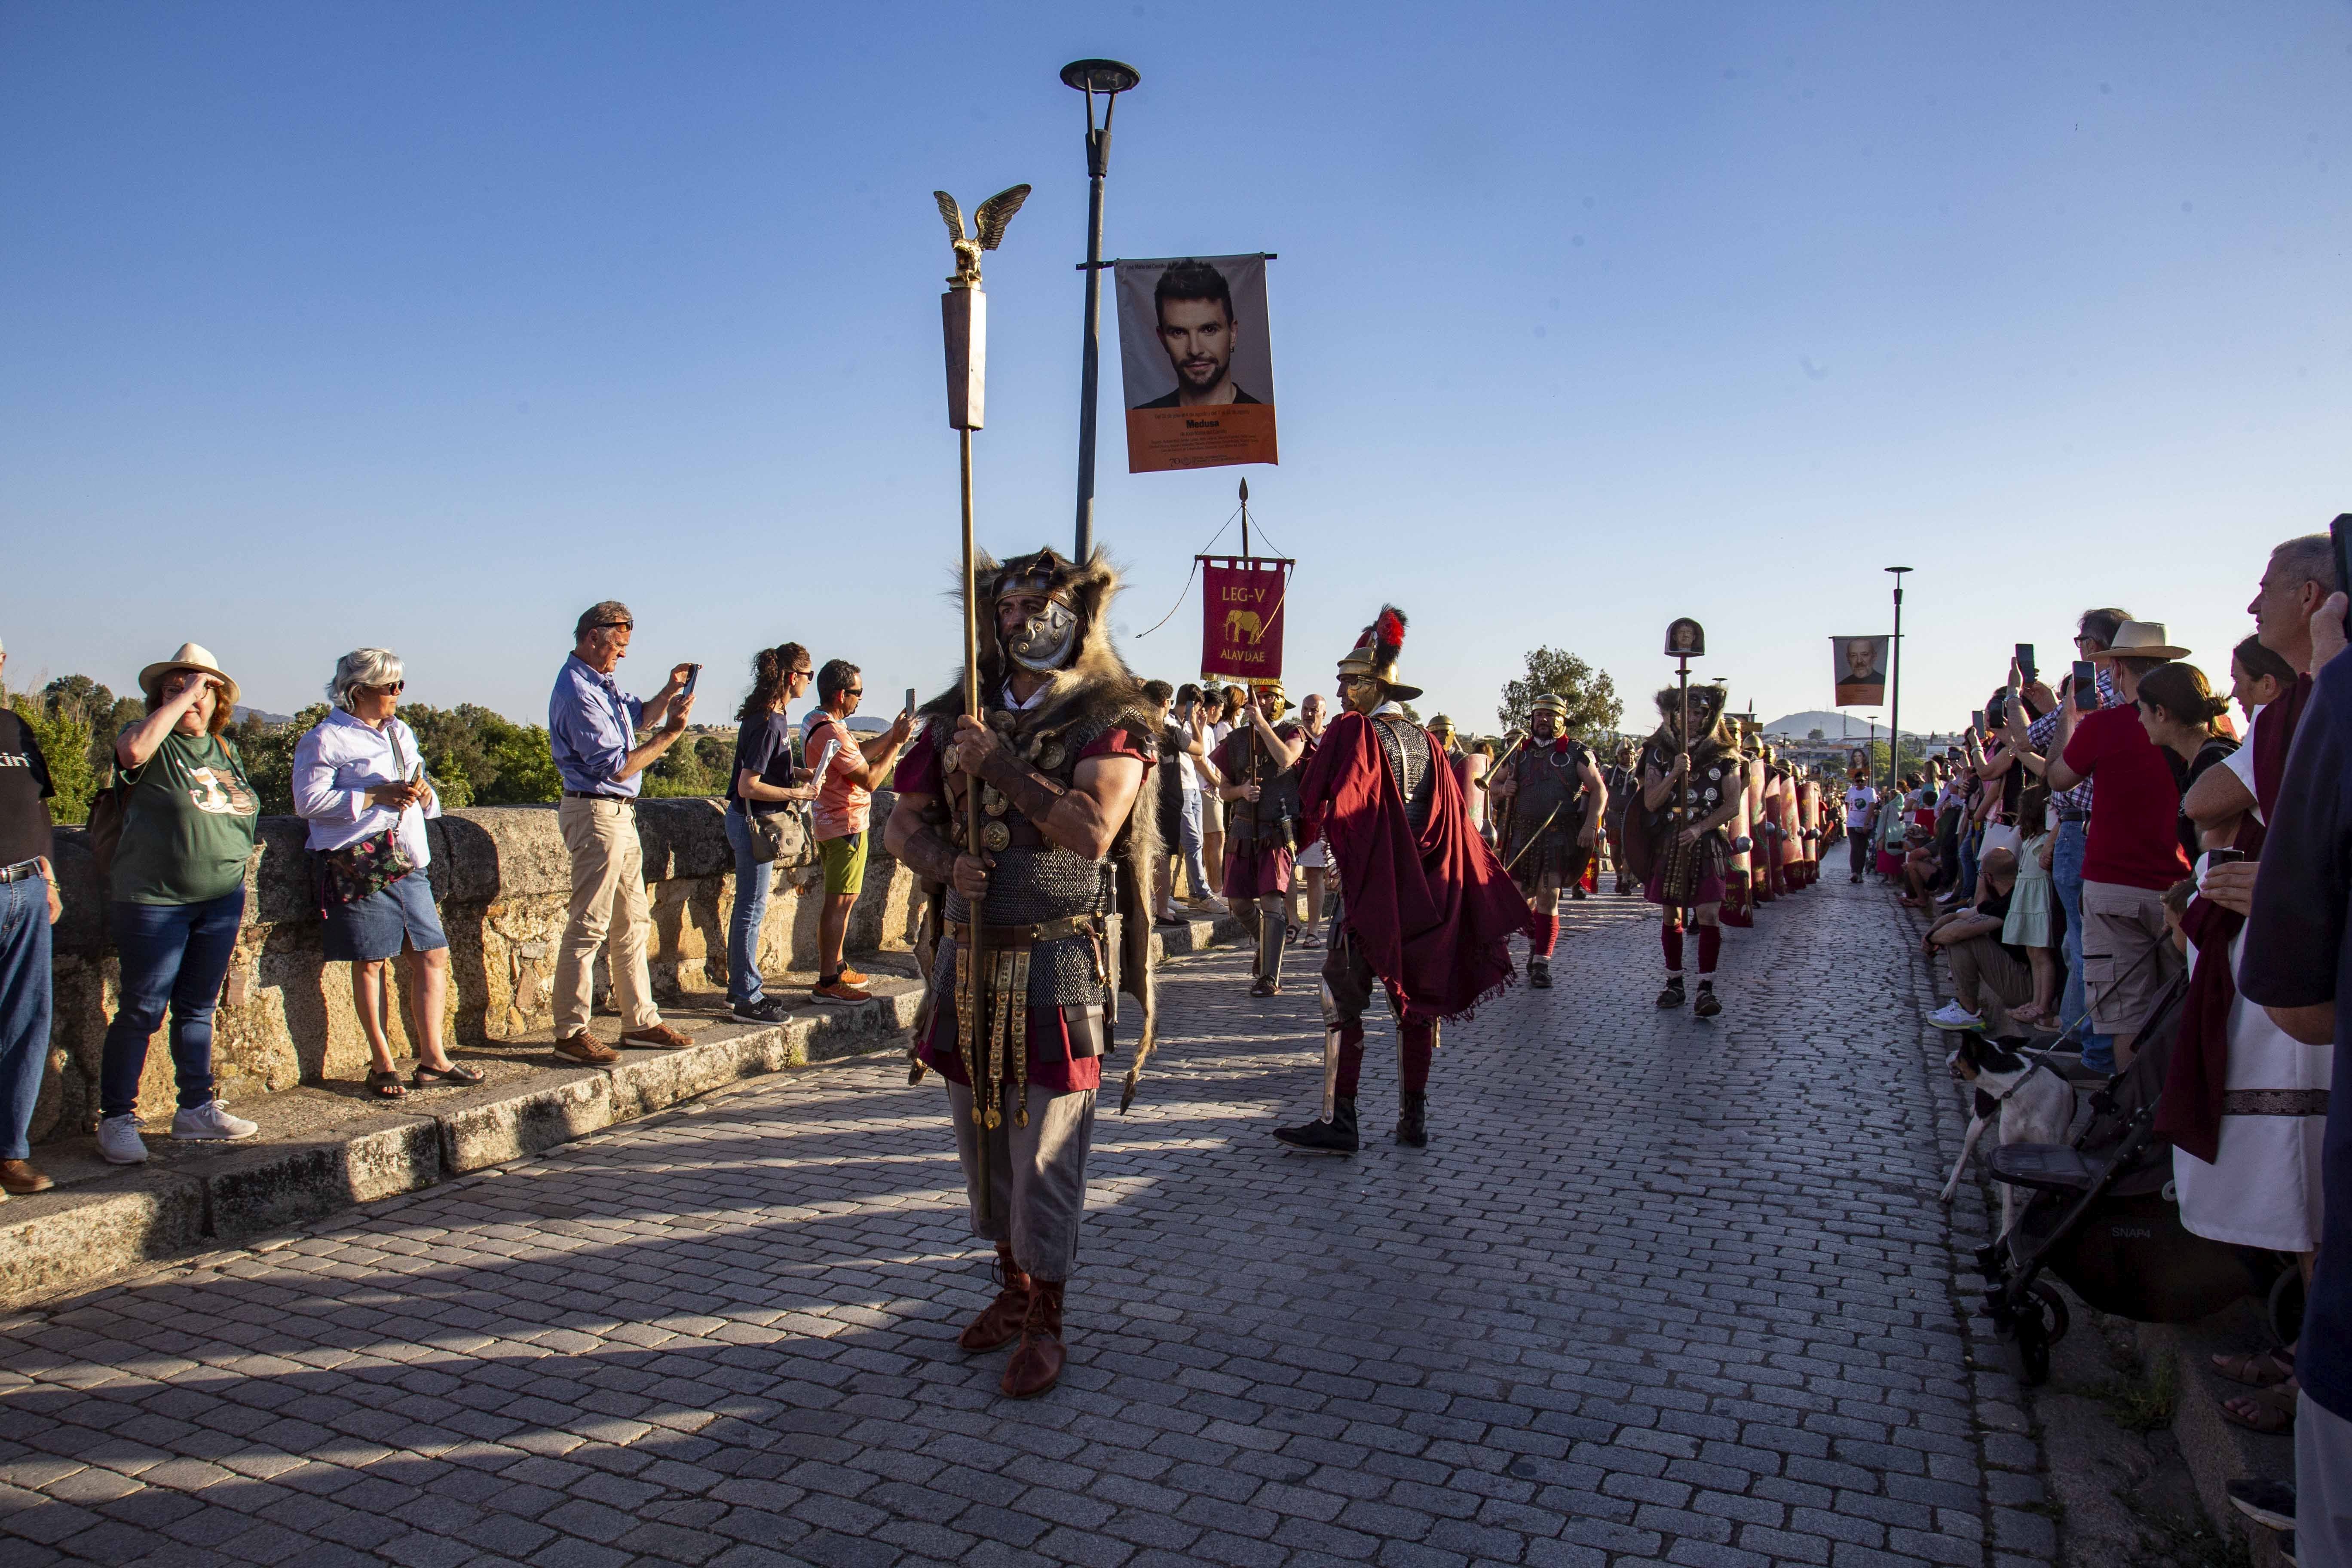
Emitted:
<point x="426" y="325"/>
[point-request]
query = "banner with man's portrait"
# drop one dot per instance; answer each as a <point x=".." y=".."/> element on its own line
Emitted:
<point x="1196" y="356"/>
<point x="1858" y="667"/>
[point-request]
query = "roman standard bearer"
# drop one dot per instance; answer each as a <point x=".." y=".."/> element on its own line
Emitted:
<point x="1424" y="904"/>
<point x="1260" y="764"/>
<point x="1060" y="875"/>
<point x="1690" y="789"/>
<point x="1556" y="799"/>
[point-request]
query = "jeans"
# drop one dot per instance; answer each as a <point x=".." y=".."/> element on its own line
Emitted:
<point x="753" y="880"/>
<point x="23" y="1009"/>
<point x="2074" y="1008"/>
<point x="1969" y="841"/>
<point x="1857" y="850"/>
<point x="176" y="954"/>
<point x="1196" y="871"/>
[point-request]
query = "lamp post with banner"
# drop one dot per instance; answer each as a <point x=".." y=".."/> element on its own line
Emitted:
<point x="1894" y="681"/>
<point x="1110" y="78"/>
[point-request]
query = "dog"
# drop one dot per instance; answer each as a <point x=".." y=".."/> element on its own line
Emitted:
<point x="2029" y="1099"/>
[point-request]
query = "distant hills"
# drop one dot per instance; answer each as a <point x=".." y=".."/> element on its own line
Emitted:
<point x="241" y="712"/>
<point x="1833" y="725"/>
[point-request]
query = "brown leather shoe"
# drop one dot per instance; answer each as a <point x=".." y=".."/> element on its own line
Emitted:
<point x="1000" y="1322"/>
<point x="586" y="1049"/>
<point x="19" y="1176"/>
<point x="1036" y="1366"/>
<point x="660" y="1036"/>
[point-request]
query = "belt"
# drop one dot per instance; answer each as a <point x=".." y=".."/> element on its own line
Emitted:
<point x="1011" y="938"/>
<point x="19" y="871"/>
<point x="594" y="794"/>
<point x="2066" y="815"/>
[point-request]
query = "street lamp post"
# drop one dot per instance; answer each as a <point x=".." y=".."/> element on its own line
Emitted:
<point x="1895" y="675"/>
<point x="1110" y="79"/>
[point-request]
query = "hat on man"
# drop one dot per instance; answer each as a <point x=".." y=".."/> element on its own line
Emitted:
<point x="2139" y="639"/>
<point x="191" y="655"/>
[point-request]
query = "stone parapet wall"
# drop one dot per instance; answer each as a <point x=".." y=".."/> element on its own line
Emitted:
<point x="502" y="881"/>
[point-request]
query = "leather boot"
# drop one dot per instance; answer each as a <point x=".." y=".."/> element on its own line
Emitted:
<point x="1540" y="971"/>
<point x="1672" y="996"/>
<point x="1037" y="1365"/>
<point x="1334" y="1135"/>
<point x="1001" y="1319"/>
<point x="1272" y="926"/>
<point x="1413" y="1124"/>
<point x="1706" y="1005"/>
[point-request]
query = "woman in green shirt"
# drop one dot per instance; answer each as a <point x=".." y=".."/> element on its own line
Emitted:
<point x="178" y="897"/>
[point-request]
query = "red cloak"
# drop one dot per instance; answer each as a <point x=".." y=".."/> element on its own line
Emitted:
<point x="1435" y="913"/>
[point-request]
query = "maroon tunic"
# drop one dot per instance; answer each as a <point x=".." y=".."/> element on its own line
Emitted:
<point x="1264" y="871"/>
<point x="1433" y="911"/>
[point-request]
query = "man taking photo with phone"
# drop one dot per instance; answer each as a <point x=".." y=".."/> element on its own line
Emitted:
<point x="593" y="727"/>
<point x="846" y="771"/>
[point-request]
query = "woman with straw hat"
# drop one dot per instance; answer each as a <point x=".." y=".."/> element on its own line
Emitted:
<point x="178" y="885"/>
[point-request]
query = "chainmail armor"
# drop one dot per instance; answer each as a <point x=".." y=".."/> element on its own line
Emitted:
<point x="1033" y="884"/>
<point x="1406" y="746"/>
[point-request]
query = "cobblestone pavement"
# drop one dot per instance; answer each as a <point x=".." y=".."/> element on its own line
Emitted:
<point x="1657" y="1289"/>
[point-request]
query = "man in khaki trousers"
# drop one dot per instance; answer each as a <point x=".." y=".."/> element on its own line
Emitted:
<point x="591" y="726"/>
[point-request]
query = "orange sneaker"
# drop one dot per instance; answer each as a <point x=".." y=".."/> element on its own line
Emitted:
<point x="839" y="991"/>
<point x="851" y="977"/>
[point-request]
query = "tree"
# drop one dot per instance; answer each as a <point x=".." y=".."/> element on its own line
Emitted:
<point x="1593" y="710"/>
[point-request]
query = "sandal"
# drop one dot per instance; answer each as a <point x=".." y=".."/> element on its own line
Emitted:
<point x="386" y="1085"/>
<point x="2255" y="1369"/>
<point x="456" y="1075"/>
<point x="2270" y="1410"/>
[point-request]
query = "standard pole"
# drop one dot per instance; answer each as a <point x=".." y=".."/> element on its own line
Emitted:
<point x="1090" y="351"/>
<point x="1894" y="679"/>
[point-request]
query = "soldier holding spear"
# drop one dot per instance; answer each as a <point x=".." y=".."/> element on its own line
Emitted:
<point x="1018" y="797"/>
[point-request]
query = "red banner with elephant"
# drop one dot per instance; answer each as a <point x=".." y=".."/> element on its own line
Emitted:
<point x="1241" y="604"/>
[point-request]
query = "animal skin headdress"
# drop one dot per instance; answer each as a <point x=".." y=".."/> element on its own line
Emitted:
<point x="1375" y="654"/>
<point x="1078" y="596"/>
<point x="1707" y="718"/>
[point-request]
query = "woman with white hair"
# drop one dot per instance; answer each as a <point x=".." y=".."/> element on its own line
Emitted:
<point x="360" y="782"/>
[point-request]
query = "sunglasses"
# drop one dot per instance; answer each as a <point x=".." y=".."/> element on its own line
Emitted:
<point x="395" y="689"/>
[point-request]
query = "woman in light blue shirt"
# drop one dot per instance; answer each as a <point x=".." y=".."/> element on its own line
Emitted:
<point x="360" y="782"/>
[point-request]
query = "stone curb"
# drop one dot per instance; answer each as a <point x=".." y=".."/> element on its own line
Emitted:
<point x="83" y="1232"/>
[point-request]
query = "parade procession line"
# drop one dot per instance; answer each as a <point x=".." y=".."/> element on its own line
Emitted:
<point x="1658" y="1289"/>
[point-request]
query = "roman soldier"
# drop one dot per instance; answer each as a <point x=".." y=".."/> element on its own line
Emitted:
<point x="1554" y="799"/>
<point x="1620" y="781"/>
<point x="1690" y="789"/>
<point x="1260" y="762"/>
<point x="1424" y="907"/>
<point x="1739" y="911"/>
<point x="1060" y="879"/>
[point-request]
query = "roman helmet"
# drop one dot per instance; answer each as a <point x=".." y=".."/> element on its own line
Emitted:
<point x="1375" y="654"/>
<point x="1281" y="701"/>
<point x="1071" y="632"/>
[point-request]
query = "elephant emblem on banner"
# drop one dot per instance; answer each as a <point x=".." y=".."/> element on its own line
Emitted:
<point x="1243" y="625"/>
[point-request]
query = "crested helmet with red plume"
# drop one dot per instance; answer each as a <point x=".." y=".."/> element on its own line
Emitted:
<point x="1375" y="654"/>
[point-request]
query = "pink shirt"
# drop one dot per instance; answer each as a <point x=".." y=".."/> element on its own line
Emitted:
<point x="841" y="806"/>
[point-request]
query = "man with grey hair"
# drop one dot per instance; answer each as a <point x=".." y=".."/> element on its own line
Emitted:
<point x="2296" y="581"/>
<point x="593" y="726"/>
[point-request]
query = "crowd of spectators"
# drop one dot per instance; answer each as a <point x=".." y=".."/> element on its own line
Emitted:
<point x="2114" y="850"/>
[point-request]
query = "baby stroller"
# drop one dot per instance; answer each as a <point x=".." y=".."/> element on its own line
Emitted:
<point x="2102" y="1216"/>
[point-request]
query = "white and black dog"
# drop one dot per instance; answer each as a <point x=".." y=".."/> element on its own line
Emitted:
<point x="2032" y="1103"/>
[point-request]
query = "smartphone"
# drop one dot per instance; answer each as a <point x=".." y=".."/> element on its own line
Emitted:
<point x="911" y="699"/>
<point x="1977" y="721"/>
<point x="693" y="674"/>
<point x="2223" y="857"/>
<point x="2339" y="532"/>
<point x="2025" y="662"/>
<point x="2086" y="687"/>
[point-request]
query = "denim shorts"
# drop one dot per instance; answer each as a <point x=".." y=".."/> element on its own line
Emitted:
<point x="375" y="927"/>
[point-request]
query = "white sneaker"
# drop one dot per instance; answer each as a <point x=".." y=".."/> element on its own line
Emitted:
<point x="211" y="1122"/>
<point x="1952" y="1015"/>
<point x="118" y="1142"/>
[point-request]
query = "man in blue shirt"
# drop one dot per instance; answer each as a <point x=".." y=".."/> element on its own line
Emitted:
<point x="2298" y="963"/>
<point x="591" y="726"/>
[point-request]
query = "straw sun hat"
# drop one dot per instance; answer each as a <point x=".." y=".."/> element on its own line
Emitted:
<point x="191" y="655"/>
<point x="2139" y="639"/>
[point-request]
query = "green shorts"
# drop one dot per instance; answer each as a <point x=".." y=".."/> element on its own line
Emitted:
<point x="845" y="863"/>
